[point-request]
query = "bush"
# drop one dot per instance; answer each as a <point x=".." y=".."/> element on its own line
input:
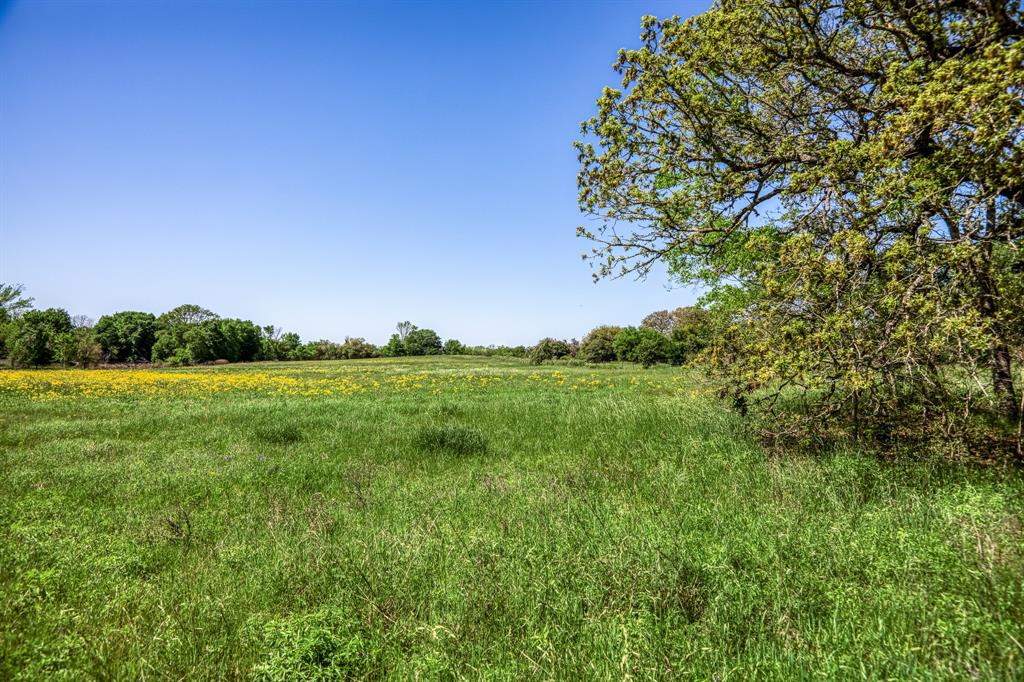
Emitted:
<point x="597" y="345"/>
<point x="454" y="347"/>
<point x="549" y="349"/>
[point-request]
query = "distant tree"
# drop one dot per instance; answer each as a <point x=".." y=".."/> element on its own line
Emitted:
<point x="548" y="349"/>
<point x="33" y="336"/>
<point x="692" y="332"/>
<point x="642" y="345"/>
<point x="190" y="334"/>
<point x="323" y="350"/>
<point x="403" y="329"/>
<point x="597" y="345"/>
<point x="289" y="347"/>
<point x="127" y="336"/>
<point x="454" y="347"/>
<point x="499" y="351"/>
<point x="236" y="340"/>
<point x="269" y="339"/>
<point x="13" y="301"/>
<point x="188" y="314"/>
<point x="357" y="348"/>
<point x="395" y="347"/>
<point x="179" y="338"/>
<point x="660" y="320"/>
<point x="422" y="342"/>
<point x="78" y="347"/>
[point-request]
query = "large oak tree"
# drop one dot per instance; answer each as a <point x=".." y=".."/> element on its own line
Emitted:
<point x="846" y="176"/>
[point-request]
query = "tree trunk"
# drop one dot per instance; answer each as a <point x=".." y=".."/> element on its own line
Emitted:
<point x="1002" y="380"/>
<point x="999" y="355"/>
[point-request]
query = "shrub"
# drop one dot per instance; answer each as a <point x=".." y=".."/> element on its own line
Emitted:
<point x="597" y="345"/>
<point x="548" y="349"/>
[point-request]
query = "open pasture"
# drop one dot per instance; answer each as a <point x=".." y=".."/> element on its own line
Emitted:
<point x="478" y="518"/>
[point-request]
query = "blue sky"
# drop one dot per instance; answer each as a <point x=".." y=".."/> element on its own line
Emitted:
<point x="328" y="167"/>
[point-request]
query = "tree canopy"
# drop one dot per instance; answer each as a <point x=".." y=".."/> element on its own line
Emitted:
<point x="846" y="179"/>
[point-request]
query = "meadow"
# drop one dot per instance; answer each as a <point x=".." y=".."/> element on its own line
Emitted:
<point x="450" y="517"/>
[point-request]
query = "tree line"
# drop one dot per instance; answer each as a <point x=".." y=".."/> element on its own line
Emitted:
<point x="190" y="334"/>
<point x="186" y="335"/>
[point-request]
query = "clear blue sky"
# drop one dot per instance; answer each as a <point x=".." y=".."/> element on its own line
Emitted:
<point x="327" y="167"/>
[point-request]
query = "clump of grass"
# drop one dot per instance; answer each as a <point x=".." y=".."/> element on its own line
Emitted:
<point x="322" y="645"/>
<point x="446" y="411"/>
<point x="453" y="439"/>
<point x="278" y="434"/>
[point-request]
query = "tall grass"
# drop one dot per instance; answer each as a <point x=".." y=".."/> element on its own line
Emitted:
<point x="522" y="531"/>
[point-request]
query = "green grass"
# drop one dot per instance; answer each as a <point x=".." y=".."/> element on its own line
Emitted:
<point x="517" y="530"/>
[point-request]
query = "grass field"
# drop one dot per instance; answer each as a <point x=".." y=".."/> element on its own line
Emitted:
<point x="478" y="518"/>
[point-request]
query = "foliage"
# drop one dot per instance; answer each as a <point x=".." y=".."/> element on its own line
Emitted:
<point x="395" y="347"/>
<point x="422" y="342"/>
<point x="190" y="334"/>
<point x="845" y="179"/>
<point x="324" y="644"/>
<point x="277" y="346"/>
<point x="453" y="347"/>
<point x="548" y="349"/>
<point x="597" y="345"/>
<point x="79" y="347"/>
<point x="498" y="351"/>
<point x="127" y="336"/>
<point x="642" y="345"/>
<point x="692" y="331"/>
<point x="13" y="302"/>
<point x="186" y="315"/>
<point x="32" y="337"/>
<point x="351" y="349"/>
<point x="357" y="348"/>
